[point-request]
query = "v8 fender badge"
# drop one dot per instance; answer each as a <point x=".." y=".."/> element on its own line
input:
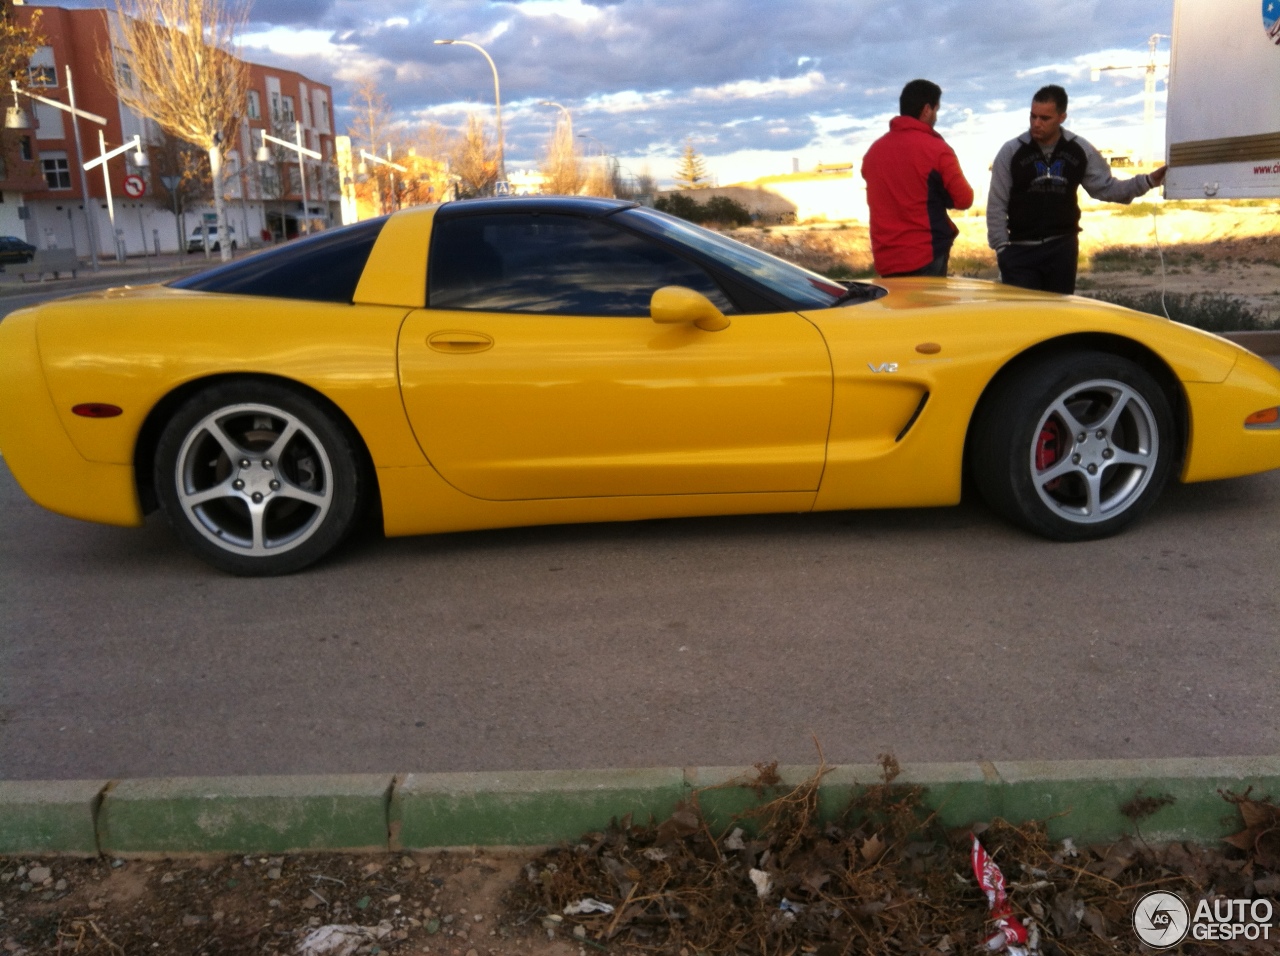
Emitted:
<point x="883" y="367"/>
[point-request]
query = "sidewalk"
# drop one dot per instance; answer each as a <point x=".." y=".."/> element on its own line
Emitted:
<point x="136" y="270"/>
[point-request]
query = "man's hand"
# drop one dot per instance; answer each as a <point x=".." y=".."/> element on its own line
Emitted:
<point x="1157" y="176"/>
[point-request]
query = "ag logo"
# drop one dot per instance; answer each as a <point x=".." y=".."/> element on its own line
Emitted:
<point x="1161" y="920"/>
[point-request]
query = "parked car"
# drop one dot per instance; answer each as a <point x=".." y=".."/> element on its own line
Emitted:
<point x="195" y="243"/>
<point x="13" y="249"/>
<point x="495" y="363"/>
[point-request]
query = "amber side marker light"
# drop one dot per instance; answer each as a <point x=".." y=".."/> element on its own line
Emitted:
<point x="1267" y="418"/>
<point x="96" y="410"/>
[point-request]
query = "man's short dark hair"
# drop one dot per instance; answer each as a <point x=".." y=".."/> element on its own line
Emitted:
<point x="1052" y="94"/>
<point x="916" y="95"/>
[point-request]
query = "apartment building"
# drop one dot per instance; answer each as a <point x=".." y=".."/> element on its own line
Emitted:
<point x="42" y="191"/>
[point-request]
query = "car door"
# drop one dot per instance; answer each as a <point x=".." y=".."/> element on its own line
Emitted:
<point x="537" y="372"/>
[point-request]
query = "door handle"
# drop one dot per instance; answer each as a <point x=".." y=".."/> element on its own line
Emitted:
<point x="455" y="340"/>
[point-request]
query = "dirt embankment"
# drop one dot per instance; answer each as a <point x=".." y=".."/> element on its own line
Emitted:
<point x="1182" y="248"/>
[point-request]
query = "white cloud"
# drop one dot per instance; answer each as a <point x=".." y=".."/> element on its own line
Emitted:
<point x="761" y="89"/>
<point x="290" y="41"/>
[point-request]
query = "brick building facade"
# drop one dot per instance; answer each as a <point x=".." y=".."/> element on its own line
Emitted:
<point x="41" y="198"/>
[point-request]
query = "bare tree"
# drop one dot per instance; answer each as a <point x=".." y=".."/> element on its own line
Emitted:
<point x="428" y="179"/>
<point x="373" y="130"/>
<point x="184" y="74"/>
<point x="601" y="177"/>
<point x="562" y="170"/>
<point x="17" y="45"/>
<point x="181" y="178"/>
<point x="475" y="162"/>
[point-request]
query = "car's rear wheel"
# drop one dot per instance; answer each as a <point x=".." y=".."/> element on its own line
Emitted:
<point x="1074" y="446"/>
<point x="258" y="479"/>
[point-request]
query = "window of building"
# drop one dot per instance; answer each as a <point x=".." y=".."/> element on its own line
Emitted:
<point x="124" y="76"/>
<point x="57" y="171"/>
<point x="287" y="108"/>
<point x="25" y="146"/>
<point x="255" y="106"/>
<point x="42" y="70"/>
<point x="322" y="107"/>
<point x="275" y="106"/>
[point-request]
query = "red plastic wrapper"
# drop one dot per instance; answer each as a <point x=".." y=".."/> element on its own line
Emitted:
<point x="1009" y="931"/>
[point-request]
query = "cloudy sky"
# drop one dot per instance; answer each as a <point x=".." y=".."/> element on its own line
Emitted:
<point x="754" y="83"/>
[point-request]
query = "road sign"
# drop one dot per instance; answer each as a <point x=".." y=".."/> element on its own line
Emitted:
<point x="134" y="186"/>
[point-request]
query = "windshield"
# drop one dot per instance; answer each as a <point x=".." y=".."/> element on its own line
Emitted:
<point x="807" y="290"/>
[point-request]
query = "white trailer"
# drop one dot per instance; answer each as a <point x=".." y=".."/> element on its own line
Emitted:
<point x="1222" y="122"/>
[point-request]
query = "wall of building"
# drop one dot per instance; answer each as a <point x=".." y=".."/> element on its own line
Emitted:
<point x="54" y="196"/>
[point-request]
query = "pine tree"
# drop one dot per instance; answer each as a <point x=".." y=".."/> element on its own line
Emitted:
<point x="692" y="171"/>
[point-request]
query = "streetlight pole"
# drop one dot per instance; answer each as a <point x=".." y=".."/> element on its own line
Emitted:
<point x="605" y="158"/>
<point x="497" y="101"/>
<point x="19" y="122"/>
<point x="139" y="160"/>
<point x="568" y="117"/>
<point x="264" y="156"/>
<point x="367" y="157"/>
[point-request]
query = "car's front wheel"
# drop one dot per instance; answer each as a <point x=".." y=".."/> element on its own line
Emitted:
<point x="1074" y="446"/>
<point x="258" y="479"/>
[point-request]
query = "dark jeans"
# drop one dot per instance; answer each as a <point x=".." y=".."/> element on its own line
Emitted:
<point x="938" y="268"/>
<point x="1049" y="267"/>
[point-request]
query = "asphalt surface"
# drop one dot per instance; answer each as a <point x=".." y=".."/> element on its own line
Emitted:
<point x="935" y="634"/>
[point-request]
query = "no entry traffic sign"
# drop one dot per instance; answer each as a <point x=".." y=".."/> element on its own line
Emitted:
<point x="134" y="187"/>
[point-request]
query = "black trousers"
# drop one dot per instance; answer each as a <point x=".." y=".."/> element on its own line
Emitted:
<point x="1049" y="266"/>
<point x="936" y="268"/>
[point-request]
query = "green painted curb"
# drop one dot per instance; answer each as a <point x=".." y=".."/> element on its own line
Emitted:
<point x="959" y="793"/>
<point x="245" y="814"/>
<point x="1089" y="795"/>
<point x="527" y="807"/>
<point x="1083" y="799"/>
<point x="49" y="816"/>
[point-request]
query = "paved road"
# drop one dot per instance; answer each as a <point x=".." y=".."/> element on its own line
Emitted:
<point x="936" y="634"/>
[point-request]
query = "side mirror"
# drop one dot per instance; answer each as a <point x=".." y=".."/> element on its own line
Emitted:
<point x="675" y="303"/>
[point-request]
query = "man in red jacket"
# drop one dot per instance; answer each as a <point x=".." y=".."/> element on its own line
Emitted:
<point x="913" y="178"/>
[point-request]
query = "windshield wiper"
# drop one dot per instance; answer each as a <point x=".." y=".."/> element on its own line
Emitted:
<point x="857" y="290"/>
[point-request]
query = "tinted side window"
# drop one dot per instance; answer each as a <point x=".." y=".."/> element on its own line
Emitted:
<point x="554" y="265"/>
<point x="321" y="268"/>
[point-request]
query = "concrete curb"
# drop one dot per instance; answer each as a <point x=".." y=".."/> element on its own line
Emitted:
<point x="1260" y="343"/>
<point x="1081" y="799"/>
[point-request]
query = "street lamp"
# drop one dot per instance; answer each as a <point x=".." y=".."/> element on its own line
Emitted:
<point x="497" y="101"/>
<point x="139" y="160"/>
<point x="264" y="156"/>
<point x="568" y="117"/>
<point x="15" y="118"/>
<point x="607" y="159"/>
<point x="366" y="157"/>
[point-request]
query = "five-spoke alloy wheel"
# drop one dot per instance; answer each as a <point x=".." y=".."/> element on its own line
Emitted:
<point x="257" y="478"/>
<point x="1074" y="446"/>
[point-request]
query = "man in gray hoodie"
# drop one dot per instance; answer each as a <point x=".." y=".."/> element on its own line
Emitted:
<point x="1033" y="213"/>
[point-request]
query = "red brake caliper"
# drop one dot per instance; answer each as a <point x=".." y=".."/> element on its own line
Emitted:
<point x="1049" y="449"/>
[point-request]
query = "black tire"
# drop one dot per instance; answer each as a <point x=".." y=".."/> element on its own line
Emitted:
<point x="289" y="494"/>
<point x="1074" y="447"/>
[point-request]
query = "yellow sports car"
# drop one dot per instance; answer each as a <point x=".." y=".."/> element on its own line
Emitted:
<point x="524" y="361"/>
